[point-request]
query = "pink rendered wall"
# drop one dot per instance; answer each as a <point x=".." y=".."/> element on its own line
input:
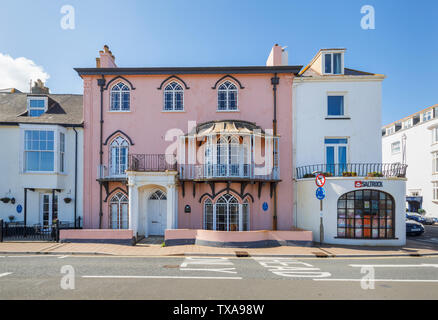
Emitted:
<point x="146" y="124"/>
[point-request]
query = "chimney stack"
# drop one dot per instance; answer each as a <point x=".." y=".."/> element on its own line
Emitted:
<point x="106" y="59"/>
<point x="39" y="88"/>
<point x="277" y="57"/>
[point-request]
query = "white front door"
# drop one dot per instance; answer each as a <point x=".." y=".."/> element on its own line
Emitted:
<point x="48" y="210"/>
<point x="157" y="213"/>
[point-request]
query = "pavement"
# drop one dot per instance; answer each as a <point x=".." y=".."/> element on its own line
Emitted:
<point x="425" y="245"/>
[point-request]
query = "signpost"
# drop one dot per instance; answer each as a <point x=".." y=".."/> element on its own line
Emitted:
<point x="320" y="195"/>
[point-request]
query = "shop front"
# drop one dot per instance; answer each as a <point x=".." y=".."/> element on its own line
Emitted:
<point x="355" y="211"/>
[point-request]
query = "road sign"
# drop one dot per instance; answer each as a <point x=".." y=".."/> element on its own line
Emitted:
<point x="320" y="180"/>
<point x="320" y="193"/>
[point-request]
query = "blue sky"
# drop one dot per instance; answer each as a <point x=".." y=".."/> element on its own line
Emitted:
<point x="403" y="46"/>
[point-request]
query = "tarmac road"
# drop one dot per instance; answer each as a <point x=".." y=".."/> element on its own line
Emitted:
<point x="101" y="277"/>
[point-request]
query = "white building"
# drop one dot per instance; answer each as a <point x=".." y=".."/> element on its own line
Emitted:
<point x="414" y="140"/>
<point x="337" y="116"/>
<point x="41" y="161"/>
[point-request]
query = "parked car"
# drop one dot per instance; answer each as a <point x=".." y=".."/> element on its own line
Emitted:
<point x="414" y="228"/>
<point x="415" y="216"/>
<point x="435" y="220"/>
<point x="429" y="220"/>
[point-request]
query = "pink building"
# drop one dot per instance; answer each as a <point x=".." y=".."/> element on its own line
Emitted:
<point x="199" y="148"/>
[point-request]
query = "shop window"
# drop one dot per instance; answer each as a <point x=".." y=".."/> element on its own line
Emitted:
<point x="366" y="214"/>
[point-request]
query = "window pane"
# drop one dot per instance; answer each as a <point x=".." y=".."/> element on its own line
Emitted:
<point x="335" y="105"/>
<point x="47" y="161"/>
<point x="32" y="161"/>
<point x="36" y="112"/>
<point x="337" y="63"/>
<point x="328" y="63"/>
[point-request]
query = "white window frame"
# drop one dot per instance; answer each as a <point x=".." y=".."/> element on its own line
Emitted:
<point x="390" y="130"/>
<point x="115" y="144"/>
<point x="121" y="98"/>
<point x="56" y="136"/>
<point x="434" y="190"/>
<point x="29" y="108"/>
<point x="407" y="123"/>
<point x="393" y="152"/>
<point x="62" y="144"/>
<point x="427" y="116"/>
<point x="336" y="148"/>
<point x="228" y="90"/>
<point x="435" y="162"/>
<point x="335" y="94"/>
<point x="173" y="91"/>
<point x="332" y="63"/>
<point x="434" y="132"/>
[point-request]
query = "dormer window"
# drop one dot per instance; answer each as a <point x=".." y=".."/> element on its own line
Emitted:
<point x="36" y="106"/>
<point x="427" y="116"/>
<point x="333" y="63"/>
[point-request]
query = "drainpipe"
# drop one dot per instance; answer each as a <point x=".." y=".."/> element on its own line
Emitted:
<point x="101" y="84"/>
<point x="76" y="174"/>
<point x="275" y="81"/>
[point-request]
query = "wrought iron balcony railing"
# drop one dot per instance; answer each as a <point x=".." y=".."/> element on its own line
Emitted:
<point x="395" y="170"/>
<point x="151" y="162"/>
<point x="232" y="171"/>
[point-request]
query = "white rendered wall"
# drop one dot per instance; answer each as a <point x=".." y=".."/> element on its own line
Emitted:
<point x="419" y="150"/>
<point x="363" y="107"/>
<point x="13" y="180"/>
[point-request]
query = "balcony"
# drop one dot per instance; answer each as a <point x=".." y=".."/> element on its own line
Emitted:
<point x="110" y="173"/>
<point x="387" y="170"/>
<point x="229" y="172"/>
<point x="151" y="162"/>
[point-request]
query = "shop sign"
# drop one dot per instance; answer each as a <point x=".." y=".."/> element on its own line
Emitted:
<point x="368" y="184"/>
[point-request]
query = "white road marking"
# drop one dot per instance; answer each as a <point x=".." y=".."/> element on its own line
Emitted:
<point x="207" y="261"/>
<point x="423" y="265"/>
<point x="62" y="257"/>
<point x="379" y="280"/>
<point x="291" y="268"/>
<point x="162" y="277"/>
<point x="5" y="274"/>
<point x="225" y="270"/>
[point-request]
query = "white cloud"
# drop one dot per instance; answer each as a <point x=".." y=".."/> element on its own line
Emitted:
<point x="16" y="73"/>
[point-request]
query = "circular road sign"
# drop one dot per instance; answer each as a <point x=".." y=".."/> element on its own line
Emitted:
<point x="320" y="180"/>
<point x="320" y="193"/>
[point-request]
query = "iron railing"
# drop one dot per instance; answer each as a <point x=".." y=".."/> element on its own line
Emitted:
<point x="16" y="231"/>
<point x="387" y="170"/>
<point x="214" y="171"/>
<point x="151" y="162"/>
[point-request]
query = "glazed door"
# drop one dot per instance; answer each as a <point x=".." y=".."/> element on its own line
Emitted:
<point x="157" y="213"/>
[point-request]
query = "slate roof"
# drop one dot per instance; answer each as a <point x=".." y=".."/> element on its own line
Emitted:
<point x="63" y="109"/>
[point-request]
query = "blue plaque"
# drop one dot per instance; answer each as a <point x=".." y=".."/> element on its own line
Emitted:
<point x="19" y="208"/>
<point x="265" y="206"/>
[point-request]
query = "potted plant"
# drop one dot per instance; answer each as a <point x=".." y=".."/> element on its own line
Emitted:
<point x="5" y="199"/>
<point x="349" y="174"/>
<point x="309" y="175"/>
<point x="375" y="174"/>
<point x="327" y="174"/>
<point x="11" y="218"/>
<point x="422" y="211"/>
<point x="67" y="200"/>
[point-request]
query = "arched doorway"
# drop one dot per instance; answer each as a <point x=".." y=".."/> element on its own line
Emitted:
<point x="157" y="213"/>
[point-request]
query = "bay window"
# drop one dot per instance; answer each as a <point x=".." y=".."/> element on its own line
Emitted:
<point x="39" y="150"/>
